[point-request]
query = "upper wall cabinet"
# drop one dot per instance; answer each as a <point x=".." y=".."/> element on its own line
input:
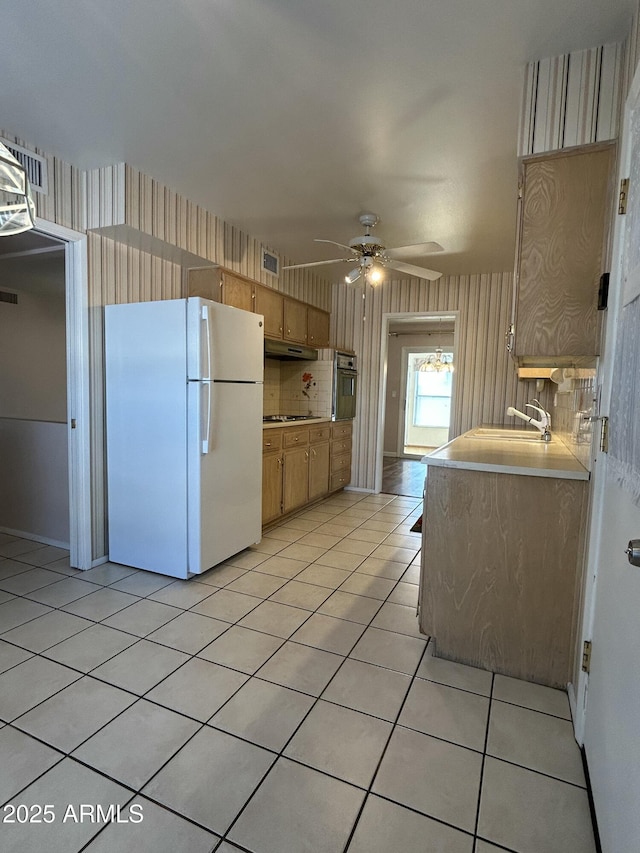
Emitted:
<point x="564" y="211"/>
<point x="270" y="303"/>
<point x="285" y="318"/>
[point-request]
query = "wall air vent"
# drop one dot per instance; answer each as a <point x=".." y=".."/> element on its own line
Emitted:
<point x="270" y="263"/>
<point x="34" y="165"/>
<point x="5" y="296"/>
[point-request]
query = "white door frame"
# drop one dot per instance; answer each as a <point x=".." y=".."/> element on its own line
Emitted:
<point x="578" y="693"/>
<point x="382" y="385"/>
<point x="78" y="431"/>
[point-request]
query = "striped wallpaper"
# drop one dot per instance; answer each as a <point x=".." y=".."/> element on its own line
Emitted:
<point x="572" y="99"/>
<point x="486" y="382"/>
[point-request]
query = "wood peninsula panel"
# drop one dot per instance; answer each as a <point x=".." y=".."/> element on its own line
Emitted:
<point x="500" y="564"/>
<point x="564" y="210"/>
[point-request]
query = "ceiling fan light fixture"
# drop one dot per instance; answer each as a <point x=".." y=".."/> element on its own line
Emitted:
<point x="17" y="210"/>
<point x="353" y="276"/>
<point x="375" y="274"/>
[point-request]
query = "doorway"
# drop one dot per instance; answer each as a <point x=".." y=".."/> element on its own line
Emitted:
<point x="425" y="412"/>
<point x="415" y="412"/>
<point x="44" y="421"/>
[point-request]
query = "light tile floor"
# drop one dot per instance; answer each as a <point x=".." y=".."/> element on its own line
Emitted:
<point x="283" y="702"/>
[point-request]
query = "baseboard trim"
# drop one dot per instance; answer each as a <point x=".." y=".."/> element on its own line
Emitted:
<point x="33" y="537"/>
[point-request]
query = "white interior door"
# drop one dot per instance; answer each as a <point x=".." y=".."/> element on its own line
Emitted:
<point x="612" y="689"/>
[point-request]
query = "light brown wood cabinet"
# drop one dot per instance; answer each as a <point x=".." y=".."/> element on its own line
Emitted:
<point x="270" y="303"/>
<point x="317" y="327"/>
<point x="564" y="206"/>
<point x="271" y="486"/>
<point x="302" y="465"/>
<point x="272" y="462"/>
<point x="318" y="462"/>
<point x="295" y="321"/>
<point x="341" y="436"/>
<point x="501" y="570"/>
<point x="236" y="291"/>
<point x="285" y="318"/>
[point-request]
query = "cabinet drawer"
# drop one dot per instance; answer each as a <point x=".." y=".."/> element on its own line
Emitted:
<point x="341" y="445"/>
<point x="295" y="437"/>
<point x="339" y="480"/>
<point x="271" y="439"/>
<point x="320" y="433"/>
<point x="342" y="462"/>
<point x="341" y="430"/>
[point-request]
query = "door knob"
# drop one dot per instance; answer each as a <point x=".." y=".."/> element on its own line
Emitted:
<point x="633" y="552"/>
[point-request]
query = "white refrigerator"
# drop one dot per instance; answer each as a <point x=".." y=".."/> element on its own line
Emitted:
<point x="184" y="433"/>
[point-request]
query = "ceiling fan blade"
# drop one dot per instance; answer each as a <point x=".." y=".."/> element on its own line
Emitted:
<point x="333" y="243"/>
<point x="410" y="269"/>
<point x="319" y="263"/>
<point x="415" y="250"/>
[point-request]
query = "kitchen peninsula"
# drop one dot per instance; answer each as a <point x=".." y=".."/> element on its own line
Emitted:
<point x="502" y="553"/>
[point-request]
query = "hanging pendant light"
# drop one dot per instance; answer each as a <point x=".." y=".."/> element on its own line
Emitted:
<point x="437" y="362"/>
<point x="17" y="210"/>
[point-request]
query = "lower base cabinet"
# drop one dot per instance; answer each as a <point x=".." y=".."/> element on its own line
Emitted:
<point x="318" y="470"/>
<point x="271" y="486"/>
<point x="501" y="571"/>
<point x="296" y="479"/>
<point x="300" y="466"/>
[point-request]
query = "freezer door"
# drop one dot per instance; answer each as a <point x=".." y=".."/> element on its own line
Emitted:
<point x="224" y="470"/>
<point x="224" y="343"/>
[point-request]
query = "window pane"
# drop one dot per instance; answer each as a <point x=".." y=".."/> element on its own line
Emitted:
<point x="432" y="402"/>
<point x="432" y="411"/>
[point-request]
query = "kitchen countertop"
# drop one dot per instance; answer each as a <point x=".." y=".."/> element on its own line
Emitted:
<point x="300" y="423"/>
<point x="479" y="450"/>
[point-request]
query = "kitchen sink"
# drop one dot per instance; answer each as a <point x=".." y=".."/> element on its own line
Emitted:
<point x="498" y="434"/>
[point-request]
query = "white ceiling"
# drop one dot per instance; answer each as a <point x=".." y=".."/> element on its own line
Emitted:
<point x="290" y="117"/>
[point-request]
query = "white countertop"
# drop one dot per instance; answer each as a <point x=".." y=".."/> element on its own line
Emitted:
<point x="504" y="454"/>
<point x="302" y="423"/>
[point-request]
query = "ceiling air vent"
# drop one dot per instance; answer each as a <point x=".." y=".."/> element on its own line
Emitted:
<point x="34" y="165"/>
<point x="5" y="296"/>
<point x="270" y="263"/>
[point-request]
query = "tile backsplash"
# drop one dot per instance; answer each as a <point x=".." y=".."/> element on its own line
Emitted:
<point x="298" y="387"/>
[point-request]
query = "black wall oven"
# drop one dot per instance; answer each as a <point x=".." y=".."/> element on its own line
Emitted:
<point x="345" y="386"/>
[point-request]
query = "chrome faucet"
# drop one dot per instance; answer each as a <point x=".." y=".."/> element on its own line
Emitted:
<point x="543" y="424"/>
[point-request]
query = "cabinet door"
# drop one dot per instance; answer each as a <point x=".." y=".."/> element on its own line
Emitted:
<point x="317" y="327"/>
<point x="237" y="292"/>
<point x="562" y="230"/>
<point x="295" y="321"/>
<point x="204" y="282"/>
<point x="318" y="470"/>
<point x="270" y="304"/>
<point x="271" y="487"/>
<point x="296" y="478"/>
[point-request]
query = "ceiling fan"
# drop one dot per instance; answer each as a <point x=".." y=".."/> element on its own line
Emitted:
<point x="371" y="256"/>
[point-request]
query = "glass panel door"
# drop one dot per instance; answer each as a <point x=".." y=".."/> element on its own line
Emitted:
<point x="427" y="406"/>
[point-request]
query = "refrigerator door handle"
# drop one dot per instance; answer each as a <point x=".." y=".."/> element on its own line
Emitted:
<point x="206" y="321"/>
<point x="206" y="412"/>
